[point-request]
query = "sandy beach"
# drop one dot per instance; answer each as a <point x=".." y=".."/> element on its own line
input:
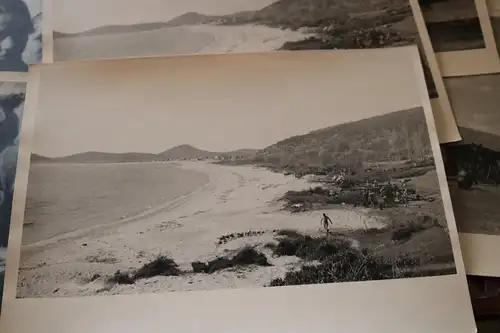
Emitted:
<point x="199" y="39"/>
<point x="236" y="199"/>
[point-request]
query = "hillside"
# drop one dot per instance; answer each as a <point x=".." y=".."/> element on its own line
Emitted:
<point x="316" y="13"/>
<point x="394" y="136"/>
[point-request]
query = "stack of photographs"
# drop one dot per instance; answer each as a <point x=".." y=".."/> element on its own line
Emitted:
<point x="189" y="165"/>
<point x="20" y="46"/>
<point x="472" y="164"/>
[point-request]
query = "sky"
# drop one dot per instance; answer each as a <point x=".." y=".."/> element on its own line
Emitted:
<point x="475" y="101"/>
<point x="81" y="15"/>
<point x="216" y="103"/>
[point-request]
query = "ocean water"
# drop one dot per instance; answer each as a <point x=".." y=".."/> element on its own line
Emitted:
<point x="148" y="43"/>
<point x="66" y="197"/>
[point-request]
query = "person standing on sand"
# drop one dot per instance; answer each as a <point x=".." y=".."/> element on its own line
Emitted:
<point x="326" y="221"/>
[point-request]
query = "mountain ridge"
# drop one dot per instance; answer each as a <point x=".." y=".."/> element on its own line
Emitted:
<point x="179" y="152"/>
<point x="396" y="135"/>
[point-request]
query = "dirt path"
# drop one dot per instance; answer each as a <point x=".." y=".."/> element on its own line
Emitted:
<point x="237" y="199"/>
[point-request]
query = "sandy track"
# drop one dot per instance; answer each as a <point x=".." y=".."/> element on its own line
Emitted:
<point x="236" y="199"/>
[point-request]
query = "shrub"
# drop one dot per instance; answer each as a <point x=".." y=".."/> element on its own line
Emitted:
<point x="244" y="257"/>
<point x="162" y="266"/>
<point x="120" y="278"/>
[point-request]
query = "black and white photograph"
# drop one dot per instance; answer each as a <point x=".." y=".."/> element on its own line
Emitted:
<point x="204" y="175"/>
<point x="20" y="34"/>
<point x="473" y="165"/>
<point x="11" y="104"/>
<point x="453" y="25"/>
<point x="92" y="30"/>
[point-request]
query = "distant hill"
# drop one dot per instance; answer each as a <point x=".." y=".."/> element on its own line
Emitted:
<point x="190" y="152"/>
<point x="97" y="157"/>
<point x="476" y="148"/>
<point x="182" y="152"/>
<point x="394" y="136"/>
<point x="185" y="152"/>
<point x="189" y="18"/>
<point x="113" y="29"/>
<point x="487" y="140"/>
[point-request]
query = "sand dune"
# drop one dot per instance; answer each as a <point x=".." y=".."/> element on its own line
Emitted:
<point x="236" y="199"/>
<point x="201" y="39"/>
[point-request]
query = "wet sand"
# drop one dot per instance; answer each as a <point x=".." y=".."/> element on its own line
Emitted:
<point x="236" y="199"/>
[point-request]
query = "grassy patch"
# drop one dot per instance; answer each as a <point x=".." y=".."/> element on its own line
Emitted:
<point x="307" y="247"/>
<point x="405" y="232"/>
<point x="161" y="266"/>
<point x="121" y="278"/>
<point x="244" y="257"/>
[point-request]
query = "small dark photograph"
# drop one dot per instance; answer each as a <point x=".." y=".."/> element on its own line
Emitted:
<point x="473" y="165"/>
<point x="453" y="25"/>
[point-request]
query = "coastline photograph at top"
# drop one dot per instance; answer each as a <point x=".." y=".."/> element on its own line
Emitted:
<point x="20" y="34"/>
<point x="257" y="188"/>
<point x="473" y="165"/>
<point x="12" y="95"/>
<point x="173" y="27"/>
<point x="178" y="27"/>
<point x="453" y="25"/>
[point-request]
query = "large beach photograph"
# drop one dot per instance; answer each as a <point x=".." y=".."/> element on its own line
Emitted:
<point x="473" y="165"/>
<point x="12" y="95"/>
<point x="20" y="34"/>
<point x="453" y="25"/>
<point x="91" y="29"/>
<point x="197" y="173"/>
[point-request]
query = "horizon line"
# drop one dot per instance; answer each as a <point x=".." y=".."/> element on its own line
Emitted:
<point x="236" y="149"/>
<point x="139" y="22"/>
<point x="143" y="152"/>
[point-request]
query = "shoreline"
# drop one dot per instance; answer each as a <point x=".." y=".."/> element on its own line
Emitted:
<point x="124" y="218"/>
<point x="236" y="200"/>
